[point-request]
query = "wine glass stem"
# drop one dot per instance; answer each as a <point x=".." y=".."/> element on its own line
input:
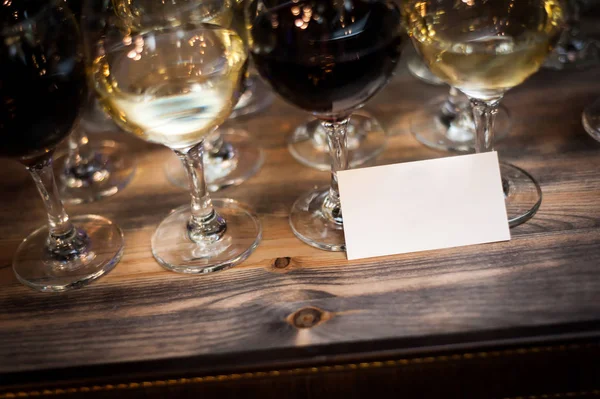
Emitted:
<point x="205" y="224"/>
<point x="337" y="140"/>
<point x="59" y="225"/>
<point x="484" y="115"/>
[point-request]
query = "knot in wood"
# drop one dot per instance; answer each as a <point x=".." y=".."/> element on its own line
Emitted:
<point x="307" y="317"/>
<point x="282" y="263"/>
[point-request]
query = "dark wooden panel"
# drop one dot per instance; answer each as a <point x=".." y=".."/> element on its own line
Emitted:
<point x="549" y="371"/>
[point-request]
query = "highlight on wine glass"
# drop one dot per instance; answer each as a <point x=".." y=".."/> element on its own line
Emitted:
<point x="174" y="86"/>
<point x="328" y="58"/>
<point x="42" y="84"/>
<point x="484" y="48"/>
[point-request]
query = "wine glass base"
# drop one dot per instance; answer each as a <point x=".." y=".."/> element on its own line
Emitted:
<point x="366" y="140"/>
<point x="523" y="194"/>
<point x="310" y="224"/>
<point x="257" y="97"/>
<point x="109" y="171"/>
<point x="429" y="127"/>
<point x="242" y="161"/>
<point x="174" y="250"/>
<point x="36" y="268"/>
<point x="591" y="119"/>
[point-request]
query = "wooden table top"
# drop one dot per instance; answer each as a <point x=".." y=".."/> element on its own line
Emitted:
<point x="544" y="284"/>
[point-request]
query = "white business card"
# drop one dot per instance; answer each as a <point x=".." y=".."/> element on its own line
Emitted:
<point x="425" y="205"/>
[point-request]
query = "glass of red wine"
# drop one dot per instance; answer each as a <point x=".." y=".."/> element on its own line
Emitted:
<point x="42" y="85"/>
<point x="329" y="58"/>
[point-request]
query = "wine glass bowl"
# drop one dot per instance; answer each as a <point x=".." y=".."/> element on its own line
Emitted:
<point x="485" y="48"/>
<point x="323" y="66"/>
<point x="171" y="88"/>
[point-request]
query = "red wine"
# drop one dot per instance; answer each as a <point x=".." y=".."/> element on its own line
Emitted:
<point x="42" y="79"/>
<point x="327" y="58"/>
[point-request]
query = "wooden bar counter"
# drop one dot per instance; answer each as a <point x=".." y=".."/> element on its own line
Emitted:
<point x="511" y="319"/>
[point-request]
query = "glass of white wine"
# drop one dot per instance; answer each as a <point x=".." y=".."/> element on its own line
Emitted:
<point x="174" y="86"/>
<point x="231" y="156"/>
<point x="484" y="48"/>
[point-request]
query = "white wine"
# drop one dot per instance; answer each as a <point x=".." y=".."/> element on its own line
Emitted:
<point x="172" y="87"/>
<point x="485" y="52"/>
<point x="140" y="15"/>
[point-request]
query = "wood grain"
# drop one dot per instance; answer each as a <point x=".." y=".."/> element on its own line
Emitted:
<point x="544" y="284"/>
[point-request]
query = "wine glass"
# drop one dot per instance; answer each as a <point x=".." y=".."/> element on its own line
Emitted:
<point x="91" y="168"/>
<point x="591" y="119"/>
<point x="484" y="48"/>
<point x="174" y="86"/>
<point x="231" y="156"/>
<point x="328" y="58"/>
<point x="42" y="84"/>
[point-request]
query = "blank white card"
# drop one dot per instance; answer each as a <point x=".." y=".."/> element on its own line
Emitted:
<point x="425" y="205"/>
